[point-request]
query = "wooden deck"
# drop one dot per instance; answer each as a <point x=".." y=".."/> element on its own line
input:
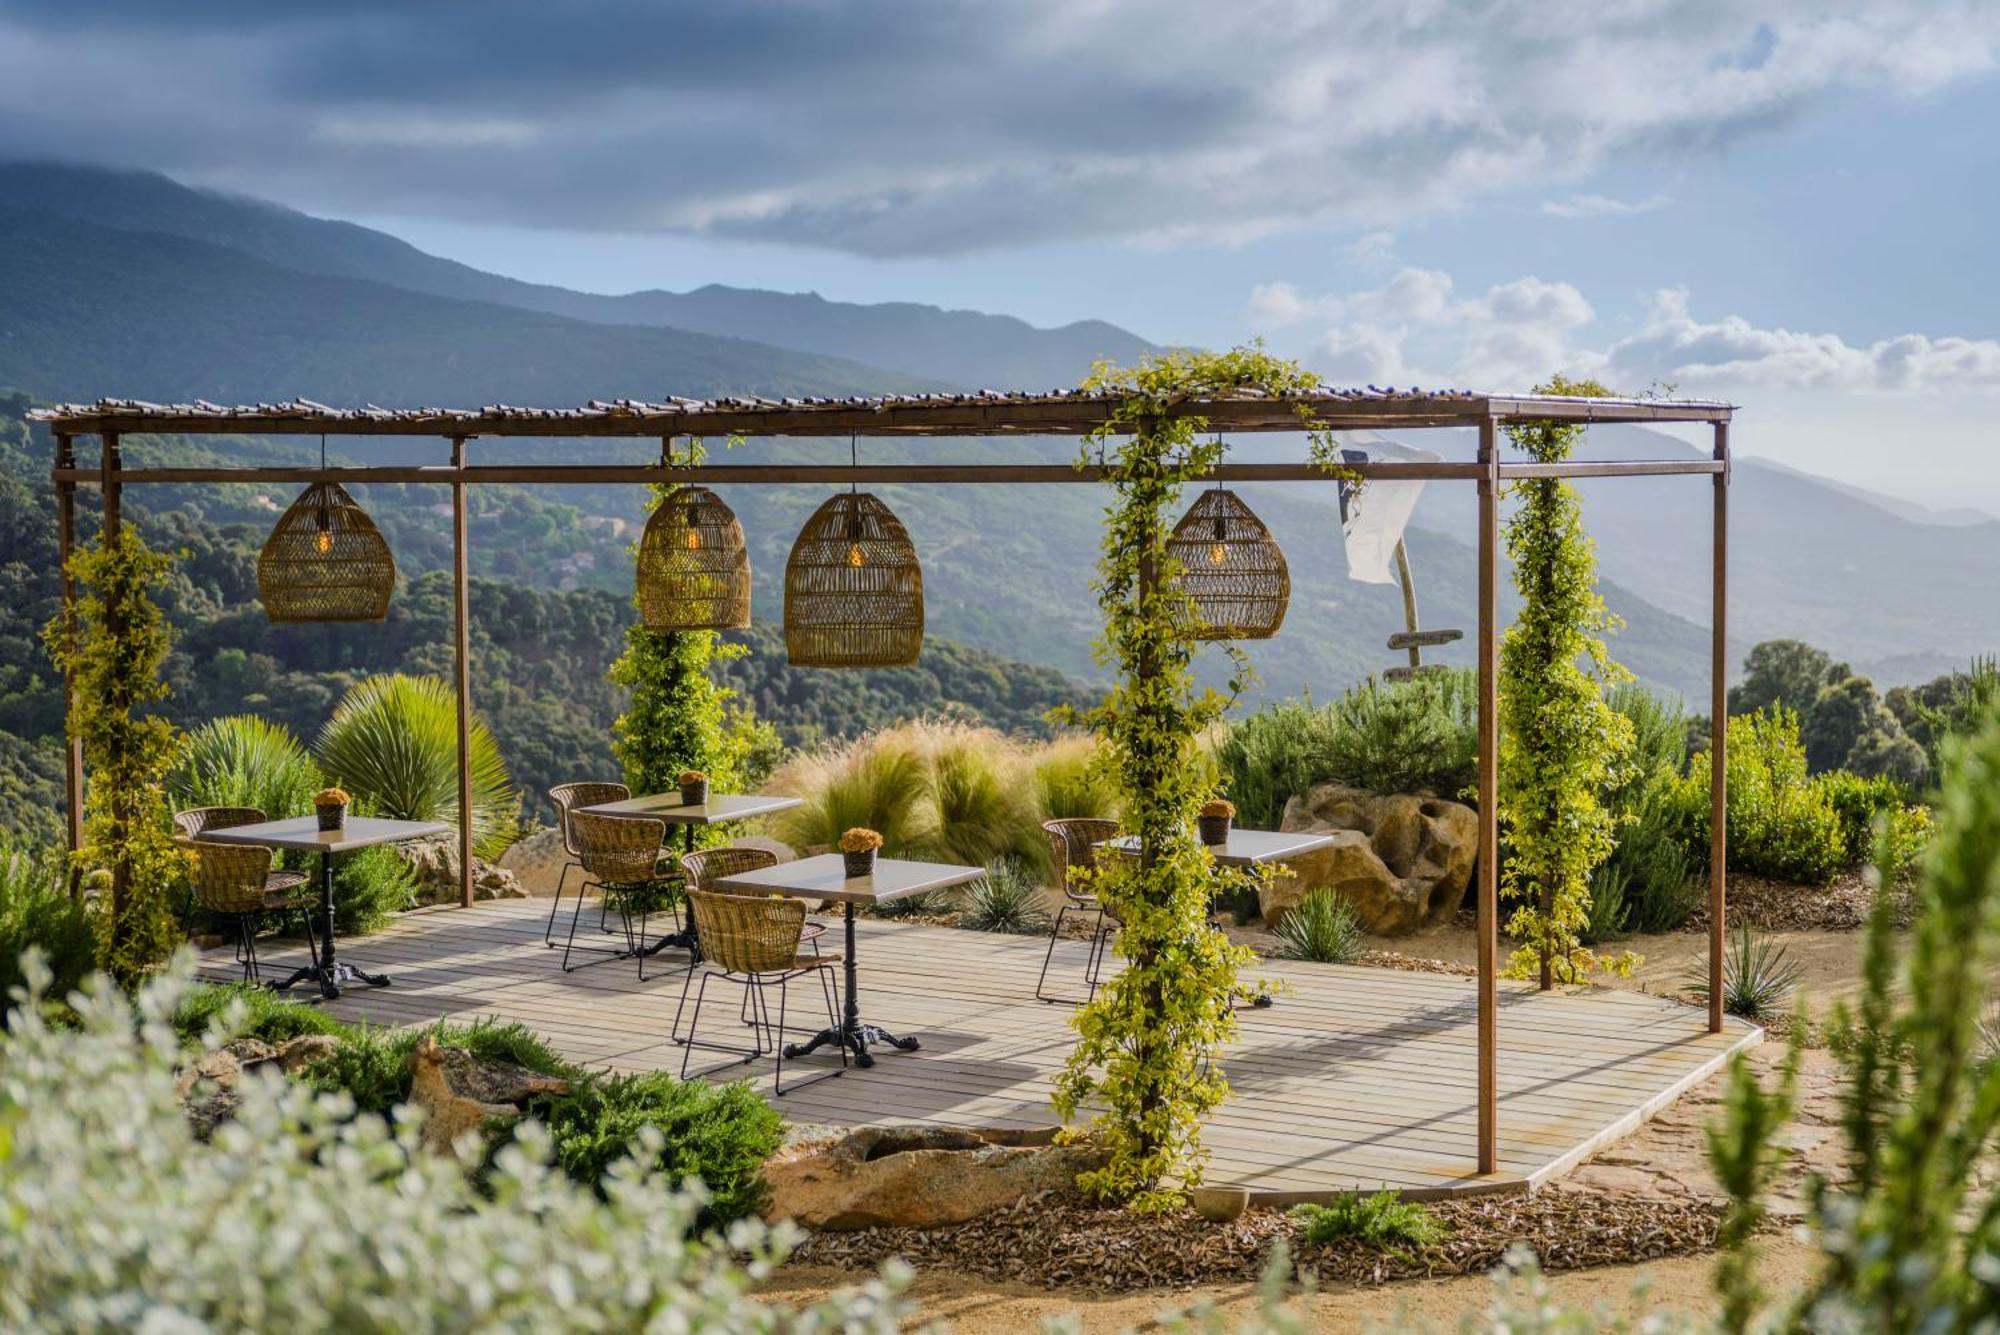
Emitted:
<point x="1357" y="1078"/>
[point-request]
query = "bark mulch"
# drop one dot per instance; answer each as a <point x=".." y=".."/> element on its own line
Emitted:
<point x="1058" y="1243"/>
<point x="1781" y="906"/>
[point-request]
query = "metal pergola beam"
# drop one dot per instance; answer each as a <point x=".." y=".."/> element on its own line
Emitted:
<point x="978" y="416"/>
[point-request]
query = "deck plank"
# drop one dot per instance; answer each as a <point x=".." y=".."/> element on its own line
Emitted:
<point x="1358" y="1078"/>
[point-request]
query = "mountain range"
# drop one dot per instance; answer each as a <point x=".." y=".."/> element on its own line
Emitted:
<point x="130" y="284"/>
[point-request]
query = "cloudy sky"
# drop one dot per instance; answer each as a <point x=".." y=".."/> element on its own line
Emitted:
<point x="1791" y="203"/>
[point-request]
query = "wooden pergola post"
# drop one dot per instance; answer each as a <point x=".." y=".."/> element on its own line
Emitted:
<point x="461" y="639"/>
<point x="72" y="744"/>
<point x="1489" y="796"/>
<point x="1718" y="774"/>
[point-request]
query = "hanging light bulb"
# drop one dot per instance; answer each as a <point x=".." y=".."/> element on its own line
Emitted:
<point x="1218" y="551"/>
<point x="694" y="540"/>
<point x="855" y="558"/>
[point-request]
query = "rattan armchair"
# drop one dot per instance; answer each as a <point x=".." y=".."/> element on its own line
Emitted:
<point x="1073" y="848"/>
<point x="703" y="869"/>
<point x="567" y="797"/>
<point x="754" y="940"/>
<point x="235" y="881"/>
<point x="620" y="856"/>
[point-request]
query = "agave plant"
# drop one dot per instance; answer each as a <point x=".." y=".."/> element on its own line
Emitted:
<point x="393" y="743"/>
<point x="1322" y="928"/>
<point x="1758" y="974"/>
<point x="1006" y="900"/>
<point x="245" y="761"/>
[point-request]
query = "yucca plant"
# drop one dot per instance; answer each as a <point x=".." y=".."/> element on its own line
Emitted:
<point x="246" y="761"/>
<point x="1007" y="900"/>
<point x="1758" y="975"/>
<point x="393" y="743"/>
<point x="1322" y="928"/>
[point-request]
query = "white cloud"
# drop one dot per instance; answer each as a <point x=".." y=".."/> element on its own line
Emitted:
<point x="1416" y="328"/>
<point x="885" y="128"/>
<point x="1601" y="206"/>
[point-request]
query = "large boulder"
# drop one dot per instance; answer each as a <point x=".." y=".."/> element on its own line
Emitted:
<point x="206" y="1086"/>
<point x="435" y="863"/>
<point x="919" y="1177"/>
<point x="1403" y="861"/>
<point x="536" y="862"/>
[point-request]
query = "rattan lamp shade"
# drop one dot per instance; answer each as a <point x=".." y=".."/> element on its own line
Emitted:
<point x="694" y="571"/>
<point x="854" y="593"/>
<point x="325" y="561"/>
<point x="1231" y="568"/>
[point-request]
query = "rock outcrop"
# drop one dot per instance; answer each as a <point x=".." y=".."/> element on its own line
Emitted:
<point x="206" y="1088"/>
<point x="1403" y="861"/>
<point x="536" y="861"/>
<point x="919" y="1177"/>
<point x="461" y="1093"/>
<point x="436" y="866"/>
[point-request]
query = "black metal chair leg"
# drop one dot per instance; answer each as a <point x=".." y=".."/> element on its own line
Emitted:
<point x="694" y="1022"/>
<point x="555" y="906"/>
<point x="1055" y="933"/>
<point x="674" y="1032"/>
<point x="575" y="914"/>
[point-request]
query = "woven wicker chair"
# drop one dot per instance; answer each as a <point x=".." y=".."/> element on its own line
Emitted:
<point x="702" y="870"/>
<point x="754" y="940"/>
<point x="567" y="797"/>
<point x="620" y="856"/>
<point x="1072" y="845"/>
<point x="235" y="881"/>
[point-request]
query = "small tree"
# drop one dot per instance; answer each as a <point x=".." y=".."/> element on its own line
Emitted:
<point x="114" y="641"/>
<point x="1561" y="743"/>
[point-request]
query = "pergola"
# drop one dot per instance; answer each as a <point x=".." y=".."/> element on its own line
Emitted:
<point x="985" y="414"/>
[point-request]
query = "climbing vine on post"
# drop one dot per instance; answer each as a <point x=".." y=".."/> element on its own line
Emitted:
<point x="1561" y="743"/>
<point x="1147" y="1040"/>
<point x="114" y="641"/>
<point x="679" y="717"/>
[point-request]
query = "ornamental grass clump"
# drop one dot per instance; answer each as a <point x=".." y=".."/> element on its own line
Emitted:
<point x="299" y="1215"/>
<point x="1322" y="928"/>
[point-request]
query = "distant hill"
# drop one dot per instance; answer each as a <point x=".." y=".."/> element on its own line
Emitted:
<point x="967" y="348"/>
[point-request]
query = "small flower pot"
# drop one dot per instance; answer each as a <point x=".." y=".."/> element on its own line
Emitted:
<point x="860" y="864"/>
<point x="1221" y="1205"/>
<point x="694" y="794"/>
<point x="1213" y="829"/>
<point x="331" y="818"/>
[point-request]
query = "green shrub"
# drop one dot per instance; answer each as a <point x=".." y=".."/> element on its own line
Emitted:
<point x="1877" y="808"/>
<point x="1383" y="1221"/>
<point x="1322" y="928"/>
<point x="1782" y="823"/>
<point x="114" y="1216"/>
<point x="37" y="909"/>
<point x="373" y="1064"/>
<point x="1008" y="899"/>
<point x="265" y="1014"/>
<point x="246" y="761"/>
<point x="1608" y="912"/>
<point x="1269" y="757"/>
<point x="1419" y="736"/>
<point x="370" y="886"/>
<point x="719" y="1133"/>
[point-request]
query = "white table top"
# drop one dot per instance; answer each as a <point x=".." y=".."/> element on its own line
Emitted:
<point x="825" y="877"/>
<point x="1247" y="848"/>
<point x="303" y="832"/>
<point x="719" y="808"/>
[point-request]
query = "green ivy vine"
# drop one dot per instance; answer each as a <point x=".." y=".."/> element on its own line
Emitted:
<point x="115" y="640"/>
<point x="1148" y="1039"/>
<point x="679" y="717"/>
<point x="1561" y="743"/>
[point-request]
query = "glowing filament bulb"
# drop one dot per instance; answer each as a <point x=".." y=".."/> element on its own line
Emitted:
<point x="324" y="542"/>
<point x="693" y="540"/>
<point x="1217" y="554"/>
<point x="854" y="556"/>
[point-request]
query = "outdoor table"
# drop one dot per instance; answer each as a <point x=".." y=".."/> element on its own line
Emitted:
<point x="720" y="809"/>
<point x="1245" y="848"/>
<point x="303" y="833"/>
<point x="825" y="877"/>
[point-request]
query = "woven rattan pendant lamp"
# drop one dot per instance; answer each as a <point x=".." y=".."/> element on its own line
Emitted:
<point x="854" y="593"/>
<point x="1231" y="568"/>
<point x="694" y="570"/>
<point x="325" y="560"/>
